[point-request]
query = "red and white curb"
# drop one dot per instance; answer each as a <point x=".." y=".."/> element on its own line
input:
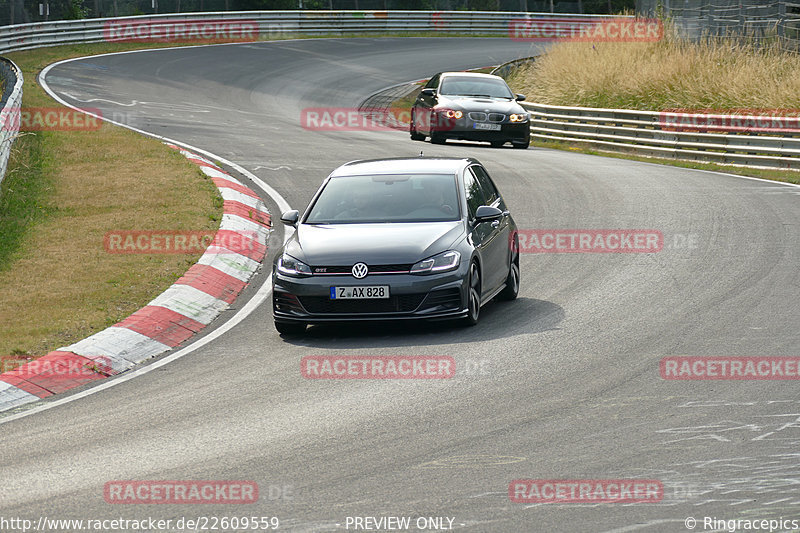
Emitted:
<point x="189" y="305"/>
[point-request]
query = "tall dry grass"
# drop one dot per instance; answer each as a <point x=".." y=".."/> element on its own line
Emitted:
<point x="672" y="73"/>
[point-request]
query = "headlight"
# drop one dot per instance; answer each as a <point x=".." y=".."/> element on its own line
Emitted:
<point x="452" y="113"/>
<point x="438" y="263"/>
<point x="290" y="266"/>
<point x="521" y="117"/>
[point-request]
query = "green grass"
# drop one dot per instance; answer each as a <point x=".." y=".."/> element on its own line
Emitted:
<point x="62" y="192"/>
<point x="24" y="195"/>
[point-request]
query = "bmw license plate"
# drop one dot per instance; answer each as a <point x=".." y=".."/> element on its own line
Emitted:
<point x="366" y="292"/>
<point x="484" y="126"/>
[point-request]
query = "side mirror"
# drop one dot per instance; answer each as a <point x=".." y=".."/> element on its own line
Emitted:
<point x="486" y="213"/>
<point x="290" y="218"/>
<point x="428" y="92"/>
<point x="520" y="97"/>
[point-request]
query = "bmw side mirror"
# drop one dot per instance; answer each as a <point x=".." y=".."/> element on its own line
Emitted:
<point x="428" y="92"/>
<point x="290" y="218"/>
<point x="486" y="213"/>
<point x="520" y="97"/>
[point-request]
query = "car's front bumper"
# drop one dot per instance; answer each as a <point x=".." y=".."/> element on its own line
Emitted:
<point x="307" y="299"/>
<point x="465" y="129"/>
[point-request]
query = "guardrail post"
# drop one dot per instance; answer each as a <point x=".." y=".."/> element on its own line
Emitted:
<point x="10" y="115"/>
<point x="742" y="25"/>
<point x="711" y="22"/>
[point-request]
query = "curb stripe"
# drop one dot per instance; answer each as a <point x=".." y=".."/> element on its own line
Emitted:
<point x="232" y="207"/>
<point x="191" y="302"/>
<point x="236" y="223"/>
<point x="202" y="162"/>
<point x="11" y="396"/>
<point x="213" y="281"/>
<point x="236" y="196"/>
<point x="214" y="172"/>
<point x="55" y="372"/>
<point x="231" y="263"/>
<point x="248" y="243"/>
<point x="161" y="324"/>
<point x="120" y="343"/>
<point x="26" y="386"/>
<point x="228" y="184"/>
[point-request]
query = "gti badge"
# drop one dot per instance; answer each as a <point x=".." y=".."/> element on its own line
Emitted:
<point x="360" y="270"/>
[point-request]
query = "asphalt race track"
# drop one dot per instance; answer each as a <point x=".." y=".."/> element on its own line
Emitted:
<point x="562" y="383"/>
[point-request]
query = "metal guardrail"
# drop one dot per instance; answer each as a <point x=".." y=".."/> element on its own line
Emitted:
<point x="9" y="114"/>
<point x="654" y="134"/>
<point x="276" y="24"/>
<point x="748" y="20"/>
<point x="648" y="133"/>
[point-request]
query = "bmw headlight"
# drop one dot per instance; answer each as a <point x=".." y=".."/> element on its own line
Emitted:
<point x="442" y="262"/>
<point x="289" y="266"/>
<point x="518" y="117"/>
<point x="452" y="113"/>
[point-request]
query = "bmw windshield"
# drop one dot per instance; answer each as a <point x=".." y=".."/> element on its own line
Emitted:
<point x="473" y="86"/>
<point x="386" y="198"/>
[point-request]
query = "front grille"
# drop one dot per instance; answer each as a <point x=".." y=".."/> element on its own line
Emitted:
<point x="443" y="298"/>
<point x="403" y="303"/>
<point x="373" y="269"/>
<point x="496" y="117"/>
<point x="477" y="116"/>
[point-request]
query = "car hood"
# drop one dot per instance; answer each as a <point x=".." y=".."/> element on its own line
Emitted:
<point x="474" y="103"/>
<point x="373" y="244"/>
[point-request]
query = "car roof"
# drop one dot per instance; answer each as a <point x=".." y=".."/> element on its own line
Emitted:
<point x="470" y="75"/>
<point x="405" y="165"/>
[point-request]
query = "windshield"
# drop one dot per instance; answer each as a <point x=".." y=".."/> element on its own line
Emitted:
<point x="474" y="86"/>
<point x="387" y="198"/>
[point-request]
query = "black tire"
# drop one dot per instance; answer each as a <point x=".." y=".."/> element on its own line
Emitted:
<point x="522" y="145"/>
<point x="437" y="139"/>
<point x="473" y="295"/>
<point x="511" y="290"/>
<point x="497" y="144"/>
<point x="414" y="135"/>
<point x="290" y="328"/>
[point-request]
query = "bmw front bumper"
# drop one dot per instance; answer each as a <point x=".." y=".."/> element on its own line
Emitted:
<point x="467" y="129"/>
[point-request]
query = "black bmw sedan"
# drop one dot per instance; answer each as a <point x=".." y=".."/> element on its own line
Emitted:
<point x="406" y="238"/>
<point x="470" y="106"/>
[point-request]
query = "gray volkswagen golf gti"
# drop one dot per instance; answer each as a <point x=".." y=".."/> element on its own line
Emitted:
<point x="405" y="238"/>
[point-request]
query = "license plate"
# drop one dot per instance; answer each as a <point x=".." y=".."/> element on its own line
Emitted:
<point x="483" y="126"/>
<point x="366" y="292"/>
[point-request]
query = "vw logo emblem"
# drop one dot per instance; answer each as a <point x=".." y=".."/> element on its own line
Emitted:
<point x="360" y="270"/>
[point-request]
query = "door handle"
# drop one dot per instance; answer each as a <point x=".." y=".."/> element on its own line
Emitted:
<point x="495" y="223"/>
